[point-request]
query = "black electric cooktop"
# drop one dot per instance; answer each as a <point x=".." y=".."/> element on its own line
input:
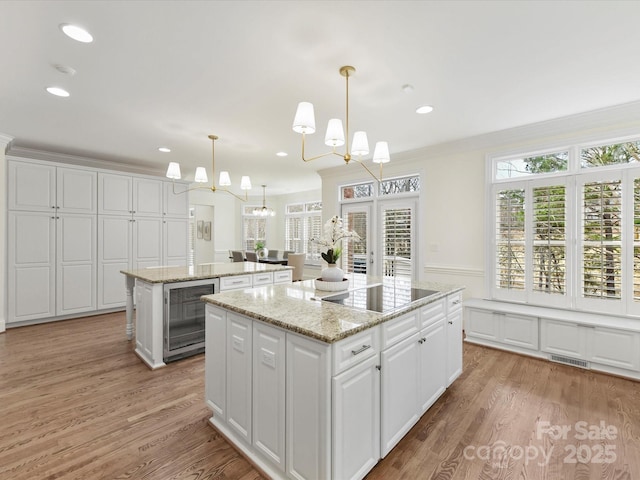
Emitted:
<point x="379" y="298"/>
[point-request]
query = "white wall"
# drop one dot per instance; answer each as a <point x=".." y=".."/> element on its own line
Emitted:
<point x="4" y="143"/>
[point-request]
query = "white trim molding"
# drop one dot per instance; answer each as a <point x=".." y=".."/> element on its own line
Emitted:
<point x="5" y="141"/>
<point x="454" y="270"/>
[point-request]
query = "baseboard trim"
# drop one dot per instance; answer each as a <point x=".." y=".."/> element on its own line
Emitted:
<point x="3" y="326"/>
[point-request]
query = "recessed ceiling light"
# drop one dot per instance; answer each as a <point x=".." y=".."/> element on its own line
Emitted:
<point x="164" y="149"/>
<point x="424" y="109"/>
<point x="57" y="91"/>
<point x="282" y="154"/>
<point x="65" y="69"/>
<point x="77" y="33"/>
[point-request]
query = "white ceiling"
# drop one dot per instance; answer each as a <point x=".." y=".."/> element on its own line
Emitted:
<point x="169" y="73"/>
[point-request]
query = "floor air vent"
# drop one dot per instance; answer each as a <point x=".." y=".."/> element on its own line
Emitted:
<point x="570" y="361"/>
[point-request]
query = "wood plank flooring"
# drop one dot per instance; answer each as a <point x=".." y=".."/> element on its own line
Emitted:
<point x="76" y="403"/>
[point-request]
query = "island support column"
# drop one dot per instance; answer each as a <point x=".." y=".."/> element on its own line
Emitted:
<point x="130" y="283"/>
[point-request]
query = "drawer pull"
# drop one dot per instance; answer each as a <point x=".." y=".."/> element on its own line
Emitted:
<point x="455" y="302"/>
<point x="360" y="350"/>
<point x="236" y="282"/>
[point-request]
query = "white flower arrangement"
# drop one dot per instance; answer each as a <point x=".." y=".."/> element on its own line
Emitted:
<point x="332" y="234"/>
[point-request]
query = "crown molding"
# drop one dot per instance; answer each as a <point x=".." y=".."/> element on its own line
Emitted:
<point x="34" y="154"/>
<point x="5" y="140"/>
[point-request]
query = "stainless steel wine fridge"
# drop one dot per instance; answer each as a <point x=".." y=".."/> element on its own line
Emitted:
<point x="184" y="317"/>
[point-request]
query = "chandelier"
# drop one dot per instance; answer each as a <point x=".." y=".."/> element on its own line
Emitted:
<point x="264" y="211"/>
<point x="173" y="172"/>
<point x="305" y="123"/>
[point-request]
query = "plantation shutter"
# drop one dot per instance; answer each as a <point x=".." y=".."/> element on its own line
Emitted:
<point x="294" y="233"/>
<point x="549" y="239"/>
<point x="602" y="239"/>
<point x="314" y="230"/>
<point x="397" y="239"/>
<point x="510" y="239"/>
<point x="354" y="254"/>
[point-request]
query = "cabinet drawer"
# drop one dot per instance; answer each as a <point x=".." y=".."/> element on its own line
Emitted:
<point x="433" y="313"/>
<point x="265" y="278"/>
<point x="231" y="283"/>
<point x="454" y="301"/>
<point x="354" y="349"/>
<point x="399" y="328"/>
<point x="283" y="276"/>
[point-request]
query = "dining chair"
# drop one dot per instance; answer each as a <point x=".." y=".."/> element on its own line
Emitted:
<point x="273" y="253"/>
<point x="252" y="256"/>
<point x="286" y="253"/>
<point x="237" y="256"/>
<point x="296" y="260"/>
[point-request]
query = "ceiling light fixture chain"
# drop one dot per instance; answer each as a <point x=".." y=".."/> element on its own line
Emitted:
<point x="173" y="172"/>
<point x="305" y="123"/>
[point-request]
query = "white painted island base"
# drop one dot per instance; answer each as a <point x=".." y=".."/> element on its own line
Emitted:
<point x="300" y="408"/>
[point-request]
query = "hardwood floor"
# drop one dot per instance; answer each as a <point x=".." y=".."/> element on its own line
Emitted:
<point x="76" y="403"/>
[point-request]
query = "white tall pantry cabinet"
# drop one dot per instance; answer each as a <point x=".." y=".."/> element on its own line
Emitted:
<point x="52" y="241"/>
<point x="71" y="229"/>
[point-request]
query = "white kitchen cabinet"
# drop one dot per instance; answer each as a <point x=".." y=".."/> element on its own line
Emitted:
<point x="147" y="197"/>
<point x="264" y="278"/>
<point x="52" y="264"/>
<point x="235" y="282"/>
<point x="115" y="194"/>
<point x="432" y="369"/>
<point x="75" y="263"/>
<point x="175" y="204"/>
<point x="31" y="265"/>
<point x="215" y="359"/>
<point x="454" y="340"/>
<point x="268" y="410"/>
<point x="400" y="389"/>
<point x="175" y="241"/>
<point x="43" y="187"/>
<point x="356" y="420"/>
<point x="308" y="402"/>
<point x="115" y="246"/>
<point x="147" y="242"/>
<point x="31" y="186"/>
<point x="239" y="368"/>
<point x="283" y="276"/>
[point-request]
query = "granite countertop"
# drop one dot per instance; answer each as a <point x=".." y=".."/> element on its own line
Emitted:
<point x="296" y="307"/>
<point x="201" y="272"/>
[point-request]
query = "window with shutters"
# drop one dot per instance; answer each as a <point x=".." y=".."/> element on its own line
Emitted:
<point x="566" y="228"/>
<point x="303" y="221"/>
<point x="254" y="229"/>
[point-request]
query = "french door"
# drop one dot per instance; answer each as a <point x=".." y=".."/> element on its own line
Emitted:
<point x="387" y="246"/>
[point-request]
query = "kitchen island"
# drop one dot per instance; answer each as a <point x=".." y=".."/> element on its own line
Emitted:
<point x="151" y="290"/>
<point x="311" y="389"/>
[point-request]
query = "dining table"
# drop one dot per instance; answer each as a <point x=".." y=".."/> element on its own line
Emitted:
<point x="273" y="260"/>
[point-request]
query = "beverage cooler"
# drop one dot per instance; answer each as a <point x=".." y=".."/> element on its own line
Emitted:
<point x="184" y="315"/>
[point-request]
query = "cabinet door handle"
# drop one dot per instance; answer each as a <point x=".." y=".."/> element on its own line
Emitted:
<point x="450" y="322"/>
<point x="360" y="350"/>
<point x="421" y="341"/>
<point x="455" y="302"/>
